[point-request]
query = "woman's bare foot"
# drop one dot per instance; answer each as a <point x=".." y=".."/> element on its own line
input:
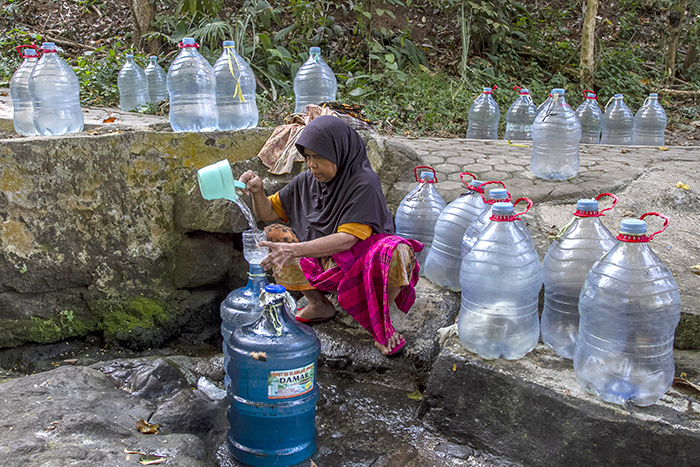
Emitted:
<point x="319" y="308"/>
<point x="393" y="341"/>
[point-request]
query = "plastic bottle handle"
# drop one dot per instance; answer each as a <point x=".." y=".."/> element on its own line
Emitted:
<point x="518" y="88"/>
<point x="615" y="200"/>
<point x="467" y="185"/>
<point x="483" y="191"/>
<point x="32" y="46"/>
<point x="587" y="91"/>
<point x="529" y="205"/>
<point x="415" y="172"/>
<point x="666" y="222"/>
<point x="182" y="46"/>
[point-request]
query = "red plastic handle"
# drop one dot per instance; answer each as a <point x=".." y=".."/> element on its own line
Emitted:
<point x="529" y="205"/>
<point x="32" y="46"/>
<point x="586" y="91"/>
<point x="415" y="172"/>
<point x="468" y="185"/>
<point x="615" y="200"/>
<point x="481" y="189"/>
<point x="666" y="222"/>
<point x="517" y="88"/>
<point x="181" y="45"/>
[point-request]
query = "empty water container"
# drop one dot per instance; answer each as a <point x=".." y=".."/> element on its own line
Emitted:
<point x="157" y="81"/>
<point x="501" y="279"/>
<point x="520" y="117"/>
<point x="618" y="122"/>
<point x="630" y="307"/>
<point x="419" y="211"/>
<point x="55" y="93"/>
<point x="445" y="256"/>
<point x="590" y="117"/>
<point x="235" y="91"/>
<point x="314" y="83"/>
<point x="192" y="90"/>
<point x="566" y="266"/>
<point x="544" y="104"/>
<point x="649" y="123"/>
<point x="273" y="390"/>
<point x="484" y="116"/>
<point x="555" y="139"/>
<point x="133" y="86"/>
<point x="23" y="111"/>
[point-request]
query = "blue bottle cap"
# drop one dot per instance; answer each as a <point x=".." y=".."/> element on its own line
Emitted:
<point x="229" y="44"/>
<point x="48" y="45"/>
<point x="153" y="57"/>
<point x="653" y="94"/>
<point x="188" y="40"/>
<point x="524" y="91"/>
<point x="30" y="53"/>
<point x="633" y="227"/>
<point x="315" y="50"/>
<point x="619" y="96"/>
<point x="487" y="89"/>
<point x="587" y="205"/>
<point x="558" y="91"/>
<point x="502" y="209"/>
<point x="129" y="55"/>
<point x="590" y="95"/>
<point x="426" y="176"/>
<point x="475" y="183"/>
<point x="275" y="288"/>
<point x="498" y="193"/>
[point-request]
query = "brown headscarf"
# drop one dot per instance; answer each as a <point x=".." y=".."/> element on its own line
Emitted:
<point x="316" y="209"/>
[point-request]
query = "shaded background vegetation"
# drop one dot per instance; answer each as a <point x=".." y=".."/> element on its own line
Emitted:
<point x="416" y="65"/>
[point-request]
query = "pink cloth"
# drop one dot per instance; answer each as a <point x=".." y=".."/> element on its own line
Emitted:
<point x="361" y="282"/>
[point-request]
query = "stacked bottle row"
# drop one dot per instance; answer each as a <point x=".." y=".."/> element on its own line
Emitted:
<point x="45" y="94"/>
<point x="618" y="125"/>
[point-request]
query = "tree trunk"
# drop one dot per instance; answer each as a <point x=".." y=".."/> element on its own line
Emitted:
<point x="675" y="18"/>
<point x="588" y="43"/>
<point x="143" y="12"/>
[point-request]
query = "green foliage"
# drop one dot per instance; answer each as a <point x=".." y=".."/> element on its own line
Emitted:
<point x="122" y="315"/>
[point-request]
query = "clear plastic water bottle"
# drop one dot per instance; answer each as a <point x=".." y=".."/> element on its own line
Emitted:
<point x="157" y="81"/>
<point x="618" y="122"/>
<point x="445" y="256"/>
<point x="555" y="139"/>
<point x="241" y="306"/>
<point x="591" y="118"/>
<point x="235" y="91"/>
<point x="566" y="266"/>
<point x="419" y="211"/>
<point x="133" y="86"/>
<point x="501" y="279"/>
<point x="630" y="307"/>
<point x="484" y="116"/>
<point x="55" y="93"/>
<point x="192" y="90"/>
<point x="544" y="104"/>
<point x="479" y="224"/>
<point x="649" y="123"/>
<point x="520" y="117"/>
<point x="314" y="82"/>
<point x="23" y="112"/>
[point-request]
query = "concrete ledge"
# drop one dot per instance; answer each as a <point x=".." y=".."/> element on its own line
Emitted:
<point x="533" y="410"/>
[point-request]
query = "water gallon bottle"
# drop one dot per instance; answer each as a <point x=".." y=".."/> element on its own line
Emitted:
<point x="314" y="82"/>
<point x="555" y="138"/>
<point x="501" y="279"/>
<point x="649" y="123"/>
<point x="157" y="81"/>
<point x="618" y="122"/>
<point x="273" y="389"/>
<point x="133" y="86"/>
<point x="235" y="91"/>
<point x="445" y="256"/>
<point x="484" y="116"/>
<point x="566" y="265"/>
<point x="192" y="90"/>
<point x="590" y="117"/>
<point x="629" y="307"/>
<point x="419" y="211"/>
<point x="55" y="93"/>
<point x="544" y="104"/>
<point x="471" y="234"/>
<point x="23" y="112"/>
<point x="520" y="117"/>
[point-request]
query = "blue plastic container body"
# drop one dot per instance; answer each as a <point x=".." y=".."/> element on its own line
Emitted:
<point x="273" y="390"/>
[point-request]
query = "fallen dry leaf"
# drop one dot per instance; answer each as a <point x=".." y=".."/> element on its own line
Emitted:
<point x="152" y="460"/>
<point x="683" y="186"/>
<point x="146" y="428"/>
<point x="109" y="120"/>
<point x="313" y="464"/>
<point x="261" y="356"/>
<point x="663" y="148"/>
<point x="695" y="269"/>
<point x="625" y="151"/>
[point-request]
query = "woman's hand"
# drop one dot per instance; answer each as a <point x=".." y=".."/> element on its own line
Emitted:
<point x="279" y="254"/>
<point x="253" y="183"/>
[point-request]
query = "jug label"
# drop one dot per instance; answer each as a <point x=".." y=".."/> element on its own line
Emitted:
<point x="290" y="383"/>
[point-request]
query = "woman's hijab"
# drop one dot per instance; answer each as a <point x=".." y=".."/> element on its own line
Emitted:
<point x="316" y="209"/>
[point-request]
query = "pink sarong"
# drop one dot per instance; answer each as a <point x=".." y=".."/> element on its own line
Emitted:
<point x="361" y="282"/>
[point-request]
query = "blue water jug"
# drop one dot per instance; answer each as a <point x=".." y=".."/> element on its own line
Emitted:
<point x="445" y="256"/>
<point x="501" y="279"/>
<point x="240" y="307"/>
<point x="484" y="116"/>
<point x="23" y="112"/>
<point x="630" y="307"/>
<point x="419" y="211"/>
<point x="566" y="266"/>
<point x="590" y="117"/>
<point x="273" y="390"/>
